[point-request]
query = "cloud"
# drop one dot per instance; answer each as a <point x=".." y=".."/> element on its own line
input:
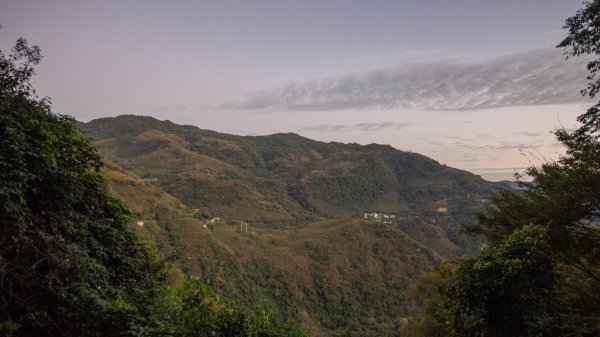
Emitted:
<point x="514" y="146"/>
<point x="365" y="127"/>
<point x="492" y="169"/>
<point x="474" y="146"/>
<point x="532" y="134"/>
<point x="537" y="77"/>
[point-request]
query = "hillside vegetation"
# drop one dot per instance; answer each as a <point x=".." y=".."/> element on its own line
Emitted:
<point x="341" y="276"/>
<point x="278" y="221"/>
<point x="70" y="262"/>
<point x="285" y="179"/>
<point x="177" y="231"/>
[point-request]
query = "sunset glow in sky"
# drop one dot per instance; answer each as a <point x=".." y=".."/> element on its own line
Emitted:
<point x="474" y="84"/>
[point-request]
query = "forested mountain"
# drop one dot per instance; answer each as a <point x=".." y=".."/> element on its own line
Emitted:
<point x="157" y="229"/>
<point x="279" y="221"/>
<point x="284" y="179"/>
<point x="71" y="261"/>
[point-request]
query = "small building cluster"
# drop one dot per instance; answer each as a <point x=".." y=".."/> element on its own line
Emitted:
<point x="385" y="218"/>
<point x="212" y="221"/>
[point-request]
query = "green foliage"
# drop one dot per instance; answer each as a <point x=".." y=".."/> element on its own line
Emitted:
<point x="194" y="310"/>
<point x="564" y="196"/>
<point x="507" y="290"/>
<point x="300" y="179"/>
<point x="341" y="277"/>
<point x="17" y="68"/>
<point x="70" y="264"/>
<point x="540" y="276"/>
<point x="337" y="288"/>
<point x="428" y="295"/>
<point x="584" y="38"/>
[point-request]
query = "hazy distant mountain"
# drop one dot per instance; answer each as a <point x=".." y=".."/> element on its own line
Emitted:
<point x="285" y="179"/>
<point x="510" y="184"/>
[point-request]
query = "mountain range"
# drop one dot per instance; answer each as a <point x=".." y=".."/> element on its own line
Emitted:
<point x="330" y="234"/>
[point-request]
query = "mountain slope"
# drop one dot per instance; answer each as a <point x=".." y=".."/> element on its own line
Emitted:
<point x="339" y="277"/>
<point x="280" y="220"/>
<point x="285" y="179"/>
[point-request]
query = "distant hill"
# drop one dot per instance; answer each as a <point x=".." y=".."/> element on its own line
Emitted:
<point x="510" y="185"/>
<point x="309" y="252"/>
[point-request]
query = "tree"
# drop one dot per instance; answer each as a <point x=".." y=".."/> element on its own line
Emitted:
<point x="540" y="274"/>
<point x="506" y="290"/>
<point x="584" y="38"/>
<point x="70" y="263"/>
<point x="431" y="298"/>
<point x="17" y="68"/>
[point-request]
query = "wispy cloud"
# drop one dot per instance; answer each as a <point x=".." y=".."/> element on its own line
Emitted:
<point x="472" y="146"/>
<point x="532" y="134"/>
<point x="537" y="77"/>
<point x="365" y="127"/>
<point x="514" y="146"/>
<point x="493" y="169"/>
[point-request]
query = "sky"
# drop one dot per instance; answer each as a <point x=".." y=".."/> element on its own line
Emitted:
<point x="473" y="84"/>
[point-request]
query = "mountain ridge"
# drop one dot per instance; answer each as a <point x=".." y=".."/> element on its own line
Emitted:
<point x="336" y="232"/>
<point x="307" y="176"/>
